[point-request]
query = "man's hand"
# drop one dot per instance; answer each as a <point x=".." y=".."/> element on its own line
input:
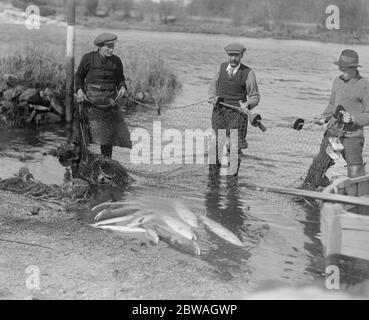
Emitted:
<point x="121" y="92"/>
<point x="320" y="120"/>
<point x="81" y="96"/>
<point x="244" y="106"/>
<point x="346" y="117"/>
<point x="213" y="100"/>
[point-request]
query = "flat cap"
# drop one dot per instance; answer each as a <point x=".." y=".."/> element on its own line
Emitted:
<point x="235" y="48"/>
<point x="105" y="38"/>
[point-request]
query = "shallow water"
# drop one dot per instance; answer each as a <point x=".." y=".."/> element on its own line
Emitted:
<point x="281" y="236"/>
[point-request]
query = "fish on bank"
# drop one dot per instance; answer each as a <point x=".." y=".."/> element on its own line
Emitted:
<point x="152" y="236"/>
<point x="123" y="229"/>
<point x="177" y="240"/>
<point x="186" y="214"/>
<point x="222" y="232"/>
<point x="106" y="205"/>
<point x="141" y="219"/>
<point x="177" y="225"/>
<point x="173" y="225"/>
<point x="114" y="221"/>
<point x="109" y="213"/>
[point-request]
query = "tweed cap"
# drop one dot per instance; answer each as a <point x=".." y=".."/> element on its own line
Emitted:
<point x="105" y="38"/>
<point x="234" y="48"/>
<point x="348" y="59"/>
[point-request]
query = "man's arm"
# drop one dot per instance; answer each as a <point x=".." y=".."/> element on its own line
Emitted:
<point x="121" y="80"/>
<point x="362" y="119"/>
<point x="213" y="85"/>
<point x="253" y="95"/>
<point x="81" y="73"/>
<point x="330" y="109"/>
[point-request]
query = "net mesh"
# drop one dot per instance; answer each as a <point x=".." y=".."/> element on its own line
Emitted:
<point x="178" y="142"/>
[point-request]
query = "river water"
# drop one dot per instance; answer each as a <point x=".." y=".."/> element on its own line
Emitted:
<point x="281" y="236"/>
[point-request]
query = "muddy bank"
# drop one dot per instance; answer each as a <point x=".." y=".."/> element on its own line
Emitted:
<point x="79" y="262"/>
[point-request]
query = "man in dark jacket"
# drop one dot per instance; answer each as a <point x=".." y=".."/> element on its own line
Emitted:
<point x="233" y="82"/>
<point x="100" y="82"/>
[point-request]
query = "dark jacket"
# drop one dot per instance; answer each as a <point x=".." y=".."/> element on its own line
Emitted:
<point x="97" y="70"/>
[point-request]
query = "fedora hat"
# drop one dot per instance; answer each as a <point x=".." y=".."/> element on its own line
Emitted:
<point x="348" y="59"/>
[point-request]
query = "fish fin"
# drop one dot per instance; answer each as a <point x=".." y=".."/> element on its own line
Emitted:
<point x="101" y="214"/>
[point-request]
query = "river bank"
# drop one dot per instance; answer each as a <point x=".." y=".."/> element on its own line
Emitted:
<point x="284" y="30"/>
<point x="52" y="254"/>
<point x="281" y="31"/>
<point x="80" y="262"/>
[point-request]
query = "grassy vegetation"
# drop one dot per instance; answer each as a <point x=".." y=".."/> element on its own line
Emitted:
<point x="39" y="67"/>
<point x="148" y="73"/>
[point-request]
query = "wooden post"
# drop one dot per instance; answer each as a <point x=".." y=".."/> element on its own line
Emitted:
<point x="69" y="99"/>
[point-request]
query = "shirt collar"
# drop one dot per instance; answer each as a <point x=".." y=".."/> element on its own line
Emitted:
<point x="356" y="78"/>
<point x="235" y="68"/>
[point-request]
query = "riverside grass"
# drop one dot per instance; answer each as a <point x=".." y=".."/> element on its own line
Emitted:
<point x="38" y="67"/>
<point x="145" y="71"/>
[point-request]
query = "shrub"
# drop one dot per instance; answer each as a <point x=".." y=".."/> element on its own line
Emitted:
<point x="39" y="67"/>
<point x="91" y="6"/>
<point x="147" y="72"/>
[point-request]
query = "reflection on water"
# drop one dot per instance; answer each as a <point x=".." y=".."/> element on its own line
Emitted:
<point x="29" y="147"/>
<point x="223" y="205"/>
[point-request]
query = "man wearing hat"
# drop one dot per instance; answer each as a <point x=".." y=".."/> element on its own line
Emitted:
<point x="234" y="82"/>
<point x="351" y="91"/>
<point x="100" y="82"/>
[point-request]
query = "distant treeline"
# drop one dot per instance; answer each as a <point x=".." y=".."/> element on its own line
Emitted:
<point x="354" y="14"/>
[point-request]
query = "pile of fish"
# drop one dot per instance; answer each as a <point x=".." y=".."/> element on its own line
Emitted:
<point x="157" y="219"/>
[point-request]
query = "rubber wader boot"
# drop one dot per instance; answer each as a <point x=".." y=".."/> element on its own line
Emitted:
<point x="106" y="150"/>
<point x="355" y="171"/>
<point x="238" y="168"/>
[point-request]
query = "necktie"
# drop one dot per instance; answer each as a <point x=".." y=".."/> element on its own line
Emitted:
<point x="230" y="72"/>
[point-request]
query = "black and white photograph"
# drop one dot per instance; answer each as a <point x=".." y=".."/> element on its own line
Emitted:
<point x="206" y="152"/>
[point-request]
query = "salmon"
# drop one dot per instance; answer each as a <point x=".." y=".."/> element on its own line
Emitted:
<point x="109" y="213"/>
<point x="123" y="229"/>
<point x="152" y="236"/>
<point x="177" y="240"/>
<point x="105" y="205"/>
<point x="115" y="221"/>
<point x="186" y="214"/>
<point x="220" y="231"/>
<point x="141" y="219"/>
<point x="178" y="226"/>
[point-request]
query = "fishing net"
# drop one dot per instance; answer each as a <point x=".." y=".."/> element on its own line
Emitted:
<point x="178" y="143"/>
<point x="24" y="183"/>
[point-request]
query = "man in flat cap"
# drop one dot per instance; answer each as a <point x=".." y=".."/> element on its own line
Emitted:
<point x="100" y="82"/>
<point x="347" y="113"/>
<point x="233" y="82"/>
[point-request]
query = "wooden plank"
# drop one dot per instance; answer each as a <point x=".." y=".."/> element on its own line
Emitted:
<point x="330" y="227"/>
<point x="363" y="188"/>
<point x="310" y="194"/>
<point x="344" y="232"/>
<point x="350" y="186"/>
<point x="355" y="243"/>
<point x="355" y="221"/>
<point x="360" y="179"/>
